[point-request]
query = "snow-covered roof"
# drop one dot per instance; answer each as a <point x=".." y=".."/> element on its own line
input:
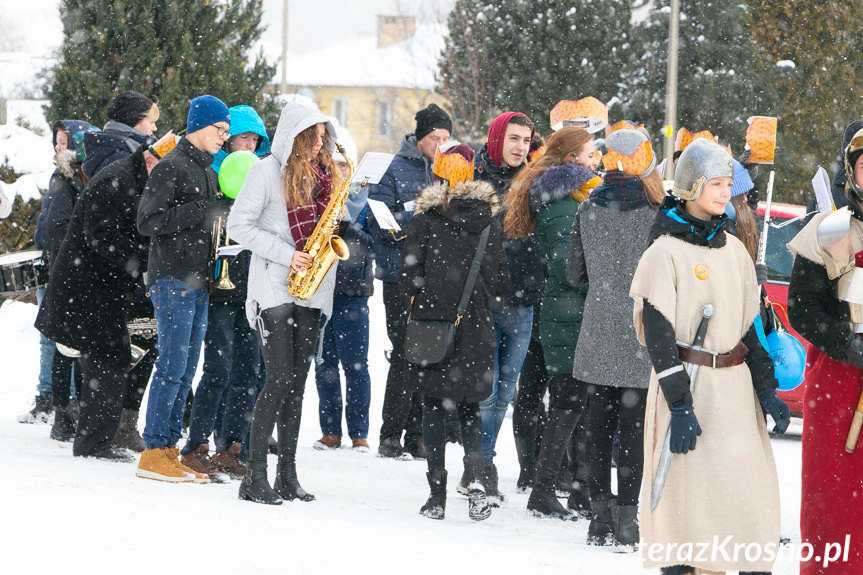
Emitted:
<point x="410" y="63"/>
<point x="28" y="154"/>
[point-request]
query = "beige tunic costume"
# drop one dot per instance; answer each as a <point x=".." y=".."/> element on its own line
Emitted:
<point x="725" y="493"/>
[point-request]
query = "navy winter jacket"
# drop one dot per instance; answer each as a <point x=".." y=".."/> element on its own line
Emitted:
<point x="115" y="142"/>
<point x="526" y="262"/>
<point x="408" y="173"/>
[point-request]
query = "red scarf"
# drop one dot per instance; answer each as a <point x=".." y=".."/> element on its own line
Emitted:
<point x="303" y="219"/>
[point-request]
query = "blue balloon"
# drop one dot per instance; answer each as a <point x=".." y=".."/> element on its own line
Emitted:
<point x="789" y="359"/>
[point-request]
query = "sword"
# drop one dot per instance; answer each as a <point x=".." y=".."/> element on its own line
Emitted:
<point x="692" y="371"/>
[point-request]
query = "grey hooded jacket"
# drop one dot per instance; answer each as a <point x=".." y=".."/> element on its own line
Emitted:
<point x="259" y="220"/>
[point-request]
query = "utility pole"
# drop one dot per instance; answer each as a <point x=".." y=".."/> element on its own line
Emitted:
<point x="671" y="91"/>
<point x="284" y="86"/>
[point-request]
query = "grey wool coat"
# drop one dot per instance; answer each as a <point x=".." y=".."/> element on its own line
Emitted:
<point x="606" y="244"/>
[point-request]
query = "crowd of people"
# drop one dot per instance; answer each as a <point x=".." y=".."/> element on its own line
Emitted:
<point x="556" y="268"/>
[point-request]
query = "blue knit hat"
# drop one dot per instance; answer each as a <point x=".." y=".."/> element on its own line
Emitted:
<point x="742" y="181"/>
<point x="205" y="111"/>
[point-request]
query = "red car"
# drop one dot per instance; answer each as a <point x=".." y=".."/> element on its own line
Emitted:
<point x="786" y="220"/>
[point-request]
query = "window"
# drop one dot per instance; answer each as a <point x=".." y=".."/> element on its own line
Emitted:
<point x="384" y="122"/>
<point x="340" y="110"/>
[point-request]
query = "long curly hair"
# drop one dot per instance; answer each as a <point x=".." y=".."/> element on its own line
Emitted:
<point x="566" y="142"/>
<point x="301" y="178"/>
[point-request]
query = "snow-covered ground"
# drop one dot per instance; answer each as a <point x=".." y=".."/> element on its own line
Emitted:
<point x="93" y="517"/>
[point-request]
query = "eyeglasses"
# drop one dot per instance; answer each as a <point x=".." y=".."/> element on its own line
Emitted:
<point x="222" y="132"/>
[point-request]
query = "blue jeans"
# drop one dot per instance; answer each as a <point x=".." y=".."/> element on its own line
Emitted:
<point x="232" y="365"/>
<point x="345" y="340"/>
<point x="512" y="326"/>
<point x="181" y="321"/>
<point x="46" y="355"/>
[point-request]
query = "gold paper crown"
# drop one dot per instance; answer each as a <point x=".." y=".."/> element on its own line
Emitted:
<point x="761" y="138"/>
<point x="452" y="167"/>
<point x="685" y="137"/>
<point x="636" y="164"/>
<point x="622" y="125"/>
<point x="588" y="113"/>
<point x="164" y="145"/>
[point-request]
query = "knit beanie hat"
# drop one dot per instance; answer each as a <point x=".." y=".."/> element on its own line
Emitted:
<point x="205" y="111"/>
<point x="496" y="134"/>
<point x="129" y="108"/>
<point x="431" y="118"/>
<point x="742" y="181"/>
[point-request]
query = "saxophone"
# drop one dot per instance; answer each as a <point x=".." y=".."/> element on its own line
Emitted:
<point x="323" y="245"/>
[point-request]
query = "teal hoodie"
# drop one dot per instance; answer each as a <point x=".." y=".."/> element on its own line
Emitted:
<point x="245" y="119"/>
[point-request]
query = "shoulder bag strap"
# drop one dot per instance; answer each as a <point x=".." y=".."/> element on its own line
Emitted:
<point x="472" y="275"/>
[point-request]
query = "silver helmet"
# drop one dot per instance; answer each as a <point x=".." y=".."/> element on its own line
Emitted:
<point x="702" y="160"/>
<point x="852" y="153"/>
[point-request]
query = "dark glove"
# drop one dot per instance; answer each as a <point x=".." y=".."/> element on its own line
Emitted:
<point x="777" y="409"/>
<point x="752" y="199"/>
<point x="684" y="429"/>
<point x="216" y="205"/>
<point x="761" y="273"/>
<point x="854" y="355"/>
<point x="751" y="168"/>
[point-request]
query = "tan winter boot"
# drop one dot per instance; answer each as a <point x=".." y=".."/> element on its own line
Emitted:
<point x="158" y="464"/>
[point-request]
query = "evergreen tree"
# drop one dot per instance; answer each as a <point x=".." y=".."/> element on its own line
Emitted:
<point x="819" y="91"/>
<point x="721" y="79"/>
<point x="172" y="50"/>
<point x="530" y="54"/>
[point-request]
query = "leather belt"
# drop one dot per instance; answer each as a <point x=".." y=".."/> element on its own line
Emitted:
<point x="714" y="360"/>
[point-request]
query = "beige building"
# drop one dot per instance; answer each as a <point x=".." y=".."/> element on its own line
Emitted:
<point x="373" y="86"/>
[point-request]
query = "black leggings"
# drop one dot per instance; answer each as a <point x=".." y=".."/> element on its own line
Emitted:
<point x="63" y="369"/>
<point x="616" y="409"/>
<point x="434" y="434"/>
<point x="287" y="347"/>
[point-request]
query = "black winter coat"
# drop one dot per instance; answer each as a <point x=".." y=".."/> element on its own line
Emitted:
<point x="526" y="261"/>
<point x="115" y="142"/>
<point x="177" y="210"/>
<point x="437" y="256"/>
<point x="63" y="191"/>
<point x="100" y="264"/>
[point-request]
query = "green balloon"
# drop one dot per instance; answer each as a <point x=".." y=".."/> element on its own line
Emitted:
<point x="233" y="172"/>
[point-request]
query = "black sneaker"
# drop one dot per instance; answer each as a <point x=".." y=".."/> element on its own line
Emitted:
<point x="416" y="448"/>
<point x="113" y="454"/>
<point x="42" y="408"/>
<point x="391" y="447"/>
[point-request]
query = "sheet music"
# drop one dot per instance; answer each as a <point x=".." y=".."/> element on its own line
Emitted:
<point x="821" y="185"/>
<point x="230" y="251"/>
<point x="372" y="167"/>
<point x="386" y="219"/>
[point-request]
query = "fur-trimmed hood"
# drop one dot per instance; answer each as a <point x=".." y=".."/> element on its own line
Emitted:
<point x="557" y="182"/>
<point x="67" y="163"/>
<point x="433" y="195"/>
<point x="472" y="205"/>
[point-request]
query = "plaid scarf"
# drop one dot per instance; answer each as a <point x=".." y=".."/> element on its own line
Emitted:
<point x="303" y="219"/>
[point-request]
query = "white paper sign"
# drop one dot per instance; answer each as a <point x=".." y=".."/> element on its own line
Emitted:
<point x="372" y="168"/>
<point x="386" y="219"/>
<point x="821" y="185"/>
<point x="229" y="251"/>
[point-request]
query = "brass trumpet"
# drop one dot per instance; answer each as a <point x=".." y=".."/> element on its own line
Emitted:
<point x="223" y="281"/>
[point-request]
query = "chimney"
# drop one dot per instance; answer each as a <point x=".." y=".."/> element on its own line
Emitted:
<point x="392" y="29"/>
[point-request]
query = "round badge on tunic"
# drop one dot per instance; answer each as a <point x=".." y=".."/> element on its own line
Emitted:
<point x="701" y="272"/>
